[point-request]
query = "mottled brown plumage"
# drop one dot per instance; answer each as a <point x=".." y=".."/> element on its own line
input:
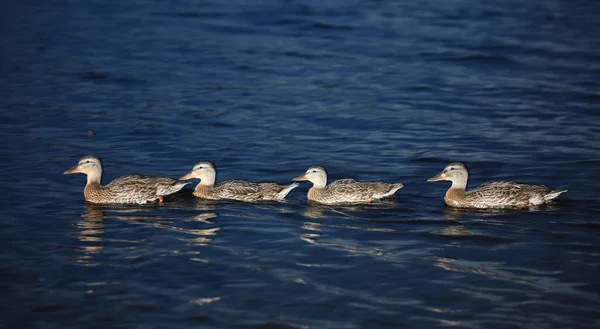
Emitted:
<point x="234" y="189"/>
<point x="504" y="194"/>
<point x="344" y="191"/>
<point x="136" y="189"/>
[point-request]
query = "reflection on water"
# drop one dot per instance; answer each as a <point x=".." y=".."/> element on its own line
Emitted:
<point x="455" y="230"/>
<point x="311" y="236"/>
<point x="317" y="210"/>
<point x="203" y="205"/>
<point x="122" y="212"/>
<point x="91" y="227"/>
<point x="204" y="301"/>
<point x="314" y="236"/>
<point x="458" y="214"/>
<point x="90" y="234"/>
<point x="488" y="269"/>
<point x="202" y="236"/>
<point x="205" y="218"/>
<point x="312" y="226"/>
<point x="539" y="280"/>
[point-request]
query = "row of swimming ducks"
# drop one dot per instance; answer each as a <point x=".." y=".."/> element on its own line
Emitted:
<point x="138" y="189"/>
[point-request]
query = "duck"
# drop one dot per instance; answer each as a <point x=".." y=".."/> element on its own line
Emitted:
<point x="131" y="189"/>
<point x="344" y="191"/>
<point x="501" y="194"/>
<point x="239" y="190"/>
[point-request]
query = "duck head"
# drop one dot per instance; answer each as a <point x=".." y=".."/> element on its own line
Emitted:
<point x="316" y="175"/>
<point x="455" y="172"/>
<point x="205" y="171"/>
<point x="89" y="165"/>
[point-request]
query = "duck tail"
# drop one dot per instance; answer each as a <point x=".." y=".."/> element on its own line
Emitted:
<point x="553" y="195"/>
<point x="283" y="193"/>
<point x="396" y="187"/>
<point x="166" y="190"/>
<point x="390" y="192"/>
<point x="179" y="185"/>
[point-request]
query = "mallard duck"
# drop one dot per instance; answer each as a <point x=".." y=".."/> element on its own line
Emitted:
<point x="127" y="189"/>
<point x="493" y="194"/>
<point x="344" y="191"/>
<point x="239" y="190"/>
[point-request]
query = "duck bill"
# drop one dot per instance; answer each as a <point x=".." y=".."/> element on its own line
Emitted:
<point x="299" y="178"/>
<point x="437" y="177"/>
<point x="73" y="170"/>
<point x="187" y="176"/>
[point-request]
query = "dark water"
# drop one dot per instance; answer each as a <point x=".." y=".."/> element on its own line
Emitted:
<point x="375" y="90"/>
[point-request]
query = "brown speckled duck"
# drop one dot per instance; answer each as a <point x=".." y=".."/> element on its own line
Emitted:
<point x="344" y="191"/>
<point x="136" y="189"/>
<point x="239" y="190"/>
<point x="493" y="194"/>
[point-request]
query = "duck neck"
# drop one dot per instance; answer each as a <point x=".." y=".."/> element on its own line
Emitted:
<point x="94" y="178"/>
<point x="203" y="190"/>
<point x="320" y="182"/>
<point x="459" y="185"/>
<point x="459" y="182"/>
<point x="455" y="193"/>
<point x="458" y="189"/>
<point x="208" y="179"/>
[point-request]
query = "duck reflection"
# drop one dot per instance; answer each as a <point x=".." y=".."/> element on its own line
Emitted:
<point x="195" y="203"/>
<point x="98" y="212"/>
<point x="455" y="230"/>
<point x="455" y="265"/>
<point x="492" y="270"/>
<point x="461" y="213"/>
<point x="90" y="234"/>
<point x="202" y="237"/>
<point x="317" y="210"/>
<point x="314" y="228"/>
<point x="91" y="226"/>
<point x="199" y="236"/>
<point x="455" y="214"/>
<point x="205" y="218"/>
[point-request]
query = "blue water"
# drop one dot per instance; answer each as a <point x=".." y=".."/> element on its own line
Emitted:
<point x="374" y="90"/>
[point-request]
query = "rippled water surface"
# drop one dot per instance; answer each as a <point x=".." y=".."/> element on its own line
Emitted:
<point x="374" y="90"/>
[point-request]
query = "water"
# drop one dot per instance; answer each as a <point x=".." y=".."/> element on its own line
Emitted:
<point x="388" y="91"/>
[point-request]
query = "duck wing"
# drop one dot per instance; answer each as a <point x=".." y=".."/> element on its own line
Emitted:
<point x="233" y="189"/>
<point x="273" y="191"/>
<point x="352" y="191"/>
<point x="505" y="193"/>
<point x="139" y="188"/>
<point x="345" y="181"/>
